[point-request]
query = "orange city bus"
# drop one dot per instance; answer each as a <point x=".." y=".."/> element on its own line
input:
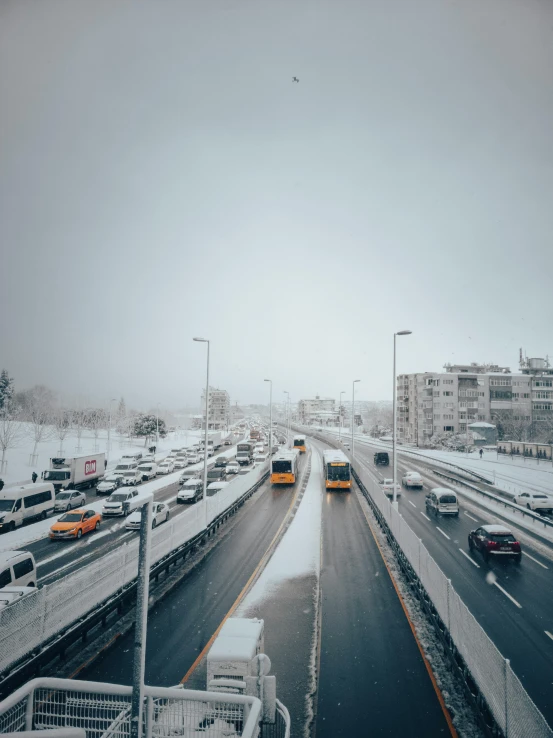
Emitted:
<point x="336" y="469"/>
<point x="299" y="443"/>
<point x="284" y="467"/>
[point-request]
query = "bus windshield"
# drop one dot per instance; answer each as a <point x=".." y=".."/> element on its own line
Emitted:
<point x="282" y="466"/>
<point x="299" y="442"/>
<point x="337" y="473"/>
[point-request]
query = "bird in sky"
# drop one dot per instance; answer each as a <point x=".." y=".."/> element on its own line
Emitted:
<point x="295" y="79"/>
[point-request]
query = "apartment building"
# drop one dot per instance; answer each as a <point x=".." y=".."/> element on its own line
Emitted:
<point x="218" y="409"/>
<point x="438" y="402"/>
<point x="317" y="410"/>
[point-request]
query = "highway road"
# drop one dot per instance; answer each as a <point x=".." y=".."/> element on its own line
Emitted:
<point x="513" y="604"/>
<point x="183" y="622"/>
<point x="372" y="678"/>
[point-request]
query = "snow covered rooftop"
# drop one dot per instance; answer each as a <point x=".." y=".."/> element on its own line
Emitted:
<point x="496" y="528"/>
<point x="232" y="648"/>
<point x="481" y="425"/>
<point x="242" y="628"/>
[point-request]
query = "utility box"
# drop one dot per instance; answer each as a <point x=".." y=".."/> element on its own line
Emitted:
<point x="231" y="658"/>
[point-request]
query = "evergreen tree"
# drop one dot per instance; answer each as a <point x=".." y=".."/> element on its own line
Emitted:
<point x="145" y="426"/>
<point x="6" y="388"/>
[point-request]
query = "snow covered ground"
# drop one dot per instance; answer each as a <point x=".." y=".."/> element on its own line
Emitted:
<point x="19" y="470"/>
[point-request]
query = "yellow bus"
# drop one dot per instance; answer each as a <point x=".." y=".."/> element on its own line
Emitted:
<point x="284" y="467"/>
<point x="299" y="444"/>
<point x="336" y="469"/>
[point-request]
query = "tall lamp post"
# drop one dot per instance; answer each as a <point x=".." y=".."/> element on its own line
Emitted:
<point x="287" y="417"/>
<point x="109" y="427"/>
<point x="270" y="415"/>
<point x="205" y="340"/>
<point x="353" y="414"/>
<point x="394" y="498"/>
<point x="340" y="418"/>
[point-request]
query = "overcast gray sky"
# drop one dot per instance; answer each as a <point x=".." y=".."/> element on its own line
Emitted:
<point x="162" y="177"/>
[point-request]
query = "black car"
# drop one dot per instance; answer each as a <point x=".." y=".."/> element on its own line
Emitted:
<point x="381" y="458"/>
<point x="217" y="474"/>
<point x="221" y="461"/>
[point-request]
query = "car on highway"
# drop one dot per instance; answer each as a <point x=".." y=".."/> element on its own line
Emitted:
<point x="442" y="501"/>
<point x="495" y="540"/>
<point x="191" y="491"/>
<point x="388" y="487"/>
<point x="233" y="467"/>
<point x="537" y="501"/>
<point x="17" y="569"/>
<point x="131" y="478"/>
<point x="381" y="458"/>
<point x="259" y="448"/>
<point x="148" y="470"/>
<point x="217" y="474"/>
<point x="68" y="500"/>
<point x="74" y="524"/>
<point x="109" y="484"/>
<point x="194" y="458"/>
<point x="132" y="455"/>
<point x="166" y="466"/>
<point x="181" y="461"/>
<point x="221" y="461"/>
<point x="215" y="487"/>
<point x="122" y="502"/>
<point x="260" y="458"/>
<point x="412" y="479"/>
<point x="160" y="514"/>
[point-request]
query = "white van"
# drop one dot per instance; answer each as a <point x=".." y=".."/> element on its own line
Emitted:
<point x="17" y="569"/>
<point x="124" y="465"/>
<point x="122" y="502"/>
<point x="132" y="455"/>
<point x="148" y="470"/>
<point x="132" y="477"/>
<point x="22" y="503"/>
<point x="442" y="501"/>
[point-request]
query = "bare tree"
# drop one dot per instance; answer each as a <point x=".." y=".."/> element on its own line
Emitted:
<point x="11" y="431"/>
<point x="511" y="427"/>
<point x="78" y="421"/>
<point x="62" y="426"/>
<point x="37" y="407"/>
<point x="96" y="419"/>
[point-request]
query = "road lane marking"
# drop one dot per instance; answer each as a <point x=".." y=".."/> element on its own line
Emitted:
<point x="465" y="554"/>
<point x="412" y="503"/>
<point x="508" y="595"/>
<point x="547" y="633"/>
<point x="425" y="516"/>
<point x="537" y="562"/>
<point x="470" y="516"/>
<point x="444" y="534"/>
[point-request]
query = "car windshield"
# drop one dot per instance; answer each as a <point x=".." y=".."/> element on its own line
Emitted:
<point x="540" y="497"/>
<point x="144" y="468"/>
<point x="122" y="467"/>
<point x="63" y="496"/>
<point x="502" y="537"/>
<point x="118" y="497"/>
<point x="56" y="476"/>
<point x="71" y="518"/>
<point x="6" y="505"/>
<point x="129" y="474"/>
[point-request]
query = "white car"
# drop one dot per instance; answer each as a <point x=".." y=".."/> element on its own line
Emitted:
<point x="160" y="514"/>
<point x="132" y="477"/>
<point x="68" y="500"/>
<point x="122" y="502"/>
<point x="259" y="448"/>
<point x="388" y="487"/>
<point x="194" y="458"/>
<point x="109" y="484"/>
<point x="532" y="501"/>
<point x="148" y="470"/>
<point x="412" y="479"/>
<point x="166" y="466"/>
<point x="233" y="467"/>
<point x="181" y="462"/>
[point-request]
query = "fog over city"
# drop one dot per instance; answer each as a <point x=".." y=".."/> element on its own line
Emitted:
<point x="162" y="177"/>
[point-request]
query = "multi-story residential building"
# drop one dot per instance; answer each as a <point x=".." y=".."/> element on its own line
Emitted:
<point x="317" y="410"/>
<point x="430" y="402"/>
<point x="218" y="410"/>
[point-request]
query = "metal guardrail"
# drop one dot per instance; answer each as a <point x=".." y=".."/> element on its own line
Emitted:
<point x="20" y="670"/>
<point x="104" y="710"/>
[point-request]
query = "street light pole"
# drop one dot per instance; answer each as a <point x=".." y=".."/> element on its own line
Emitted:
<point x="109" y="429"/>
<point x="340" y="418"/>
<point x="270" y="415"/>
<point x="394" y="497"/>
<point x="287" y="418"/>
<point x="205" y="340"/>
<point x="353" y="415"/>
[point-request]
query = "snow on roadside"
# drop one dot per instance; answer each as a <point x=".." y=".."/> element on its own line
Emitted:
<point x="299" y="551"/>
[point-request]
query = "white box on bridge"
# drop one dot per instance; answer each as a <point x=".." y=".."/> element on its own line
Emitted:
<point x="231" y="656"/>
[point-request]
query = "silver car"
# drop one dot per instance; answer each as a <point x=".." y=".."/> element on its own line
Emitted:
<point x="69" y="500"/>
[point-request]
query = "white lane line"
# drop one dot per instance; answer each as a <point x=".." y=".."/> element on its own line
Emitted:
<point x="412" y="503"/>
<point x="547" y="633"/>
<point x="508" y="595"/>
<point x="465" y="554"/>
<point x="444" y="534"/>
<point x="533" y="559"/>
<point x="425" y="516"/>
<point x="470" y="516"/>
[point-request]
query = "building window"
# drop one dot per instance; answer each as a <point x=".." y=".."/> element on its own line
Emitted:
<point x="447" y="381"/>
<point x="448" y="428"/>
<point x="500" y="382"/>
<point x="448" y="394"/>
<point x="436" y="416"/>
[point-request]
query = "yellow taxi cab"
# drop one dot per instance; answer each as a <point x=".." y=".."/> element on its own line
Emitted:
<point x="74" y="524"/>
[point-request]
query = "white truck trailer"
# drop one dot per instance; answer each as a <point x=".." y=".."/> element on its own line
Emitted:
<point x="75" y="472"/>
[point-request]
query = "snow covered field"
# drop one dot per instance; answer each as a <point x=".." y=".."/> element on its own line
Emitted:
<point x="19" y="470"/>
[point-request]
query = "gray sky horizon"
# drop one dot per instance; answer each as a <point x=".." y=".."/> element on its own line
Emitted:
<point x="162" y="177"/>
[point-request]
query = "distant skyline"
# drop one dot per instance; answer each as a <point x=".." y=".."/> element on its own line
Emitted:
<point x="162" y="177"/>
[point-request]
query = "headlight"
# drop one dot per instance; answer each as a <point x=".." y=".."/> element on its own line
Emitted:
<point x="73" y="530"/>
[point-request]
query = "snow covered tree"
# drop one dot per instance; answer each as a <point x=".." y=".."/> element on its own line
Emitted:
<point x="96" y="419"/>
<point x="6" y="388"/>
<point x="145" y="426"/>
<point x="37" y="408"/>
<point x="62" y="426"/>
<point x="11" y="431"/>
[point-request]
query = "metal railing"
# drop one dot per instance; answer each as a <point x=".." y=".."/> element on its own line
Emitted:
<point x="103" y="710"/>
